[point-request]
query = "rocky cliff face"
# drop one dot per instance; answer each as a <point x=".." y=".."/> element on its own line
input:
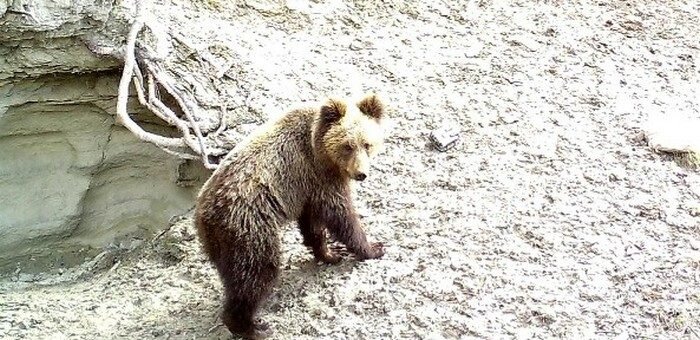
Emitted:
<point x="69" y="177"/>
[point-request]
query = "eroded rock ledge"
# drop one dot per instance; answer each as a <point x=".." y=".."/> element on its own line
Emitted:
<point x="70" y="178"/>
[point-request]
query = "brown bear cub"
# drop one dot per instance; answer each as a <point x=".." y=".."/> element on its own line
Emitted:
<point x="295" y="168"/>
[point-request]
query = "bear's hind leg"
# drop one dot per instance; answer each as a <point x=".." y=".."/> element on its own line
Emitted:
<point x="314" y="235"/>
<point x="239" y="318"/>
<point x="247" y="282"/>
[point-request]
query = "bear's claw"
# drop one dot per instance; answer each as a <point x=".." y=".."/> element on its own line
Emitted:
<point x="374" y="251"/>
<point x="329" y="257"/>
<point x="377" y="250"/>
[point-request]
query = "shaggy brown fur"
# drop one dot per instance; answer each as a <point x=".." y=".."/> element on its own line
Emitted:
<point x="297" y="168"/>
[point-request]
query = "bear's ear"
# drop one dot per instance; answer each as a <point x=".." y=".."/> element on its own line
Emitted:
<point x="332" y="111"/>
<point x="372" y="106"/>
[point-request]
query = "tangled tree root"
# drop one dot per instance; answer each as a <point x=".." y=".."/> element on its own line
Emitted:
<point x="191" y="145"/>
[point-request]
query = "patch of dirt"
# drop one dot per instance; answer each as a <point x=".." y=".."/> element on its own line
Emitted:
<point x="546" y="219"/>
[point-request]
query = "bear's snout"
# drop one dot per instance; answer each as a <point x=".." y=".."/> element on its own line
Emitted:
<point x="361" y="176"/>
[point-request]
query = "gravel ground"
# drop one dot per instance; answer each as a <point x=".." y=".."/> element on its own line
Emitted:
<point x="549" y="218"/>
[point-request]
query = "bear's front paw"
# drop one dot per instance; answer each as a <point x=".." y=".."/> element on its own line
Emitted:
<point x="329" y="257"/>
<point x="375" y="251"/>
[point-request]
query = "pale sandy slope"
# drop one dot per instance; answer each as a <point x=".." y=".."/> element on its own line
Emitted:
<point x="549" y="219"/>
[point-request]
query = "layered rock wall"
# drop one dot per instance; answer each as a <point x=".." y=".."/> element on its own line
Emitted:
<point x="70" y="178"/>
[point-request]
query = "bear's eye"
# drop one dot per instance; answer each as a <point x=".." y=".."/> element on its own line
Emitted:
<point x="348" y="148"/>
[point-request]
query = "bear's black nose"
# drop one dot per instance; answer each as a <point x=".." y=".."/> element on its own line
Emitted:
<point x="360" y="177"/>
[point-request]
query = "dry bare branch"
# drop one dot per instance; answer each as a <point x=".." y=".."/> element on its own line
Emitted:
<point x="161" y="110"/>
<point x="186" y="108"/>
<point x="222" y="121"/>
<point x="127" y="74"/>
<point x="149" y="99"/>
<point x="183" y="155"/>
<point x="163" y="113"/>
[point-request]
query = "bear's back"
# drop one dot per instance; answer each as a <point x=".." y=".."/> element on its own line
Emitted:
<point x="269" y="175"/>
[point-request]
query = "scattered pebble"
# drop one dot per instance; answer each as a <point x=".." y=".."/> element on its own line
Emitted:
<point x="445" y="137"/>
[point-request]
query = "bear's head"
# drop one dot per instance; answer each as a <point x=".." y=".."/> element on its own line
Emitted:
<point x="348" y="135"/>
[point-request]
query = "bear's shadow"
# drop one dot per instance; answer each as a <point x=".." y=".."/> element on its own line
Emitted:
<point x="301" y="275"/>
